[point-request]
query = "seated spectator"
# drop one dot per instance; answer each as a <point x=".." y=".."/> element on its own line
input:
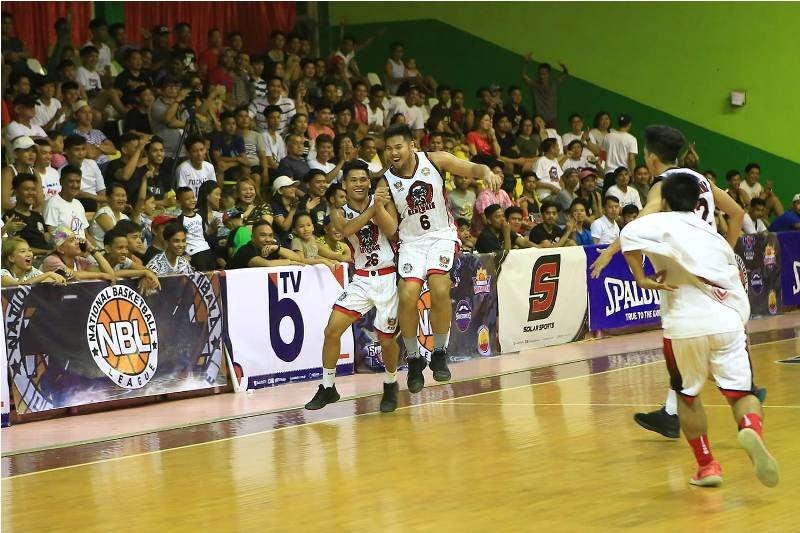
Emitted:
<point x="529" y="201"/>
<point x="332" y="244"/>
<point x="195" y="171"/>
<point x="304" y="243"/>
<point x="544" y="132"/>
<point x="209" y="207"/>
<point x="227" y="148"/>
<point x="506" y="140"/>
<point x="160" y="179"/>
<point x="605" y="229"/>
<point x="284" y="207"/>
<point x="70" y="259"/>
<point x="197" y="247"/>
<point x="576" y="133"/>
<point x="514" y="218"/>
<point x="117" y="256"/>
<point x="23" y="220"/>
<point x="133" y="78"/>
<point x="601" y="128"/>
<point x="158" y="245"/>
<point x="368" y="153"/>
<point x="172" y="260"/>
<point x="314" y="201"/>
<point x="548" y="169"/>
<point x="275" y="98"/>
<point x="23" y="123"/>
<point x="324" y="157"/>
<point x="93" y="186"/>
<point x="322" y="121"/>
<point x="465" y="235"/>
<point x="17" y="268"/>
<point x="136" y="246"/>
<point x="514" y="109"/>
<point x="129" y="170"/>
<point x="335" y="196"/>
<point x="486" y="198"/>
<point x="106" y="218"/>
<point x="753" y="221"/>
<point x="629" y="213"/>
<point x="254" y="146"/>
<point x="548" y="234"/>
<point x="588" y="191"/>
<point x="263" y="250"/>
<point x="46" y="175"/>
<point x="527" y="142"/>
<point x="58" y="159"/>
<point x="99" y="37"/>
<point x="496" y="235"/>
<point x="735" y="190"/>
<point x="137" y="118"/>
<point x="621" y="190"/>
<point x="581" y="232"/>
<point x="575" y="156"/>
<point x="299" y="126"/>
<point x="49" y="111"/>
<point x="24" y="150"/>
<point x="753" y="188"/>
<point x="461" y="200"/>
<point x="641" y="182"/>
<point x="482" y="140"/>
<point x="64" y="209"/>
<point x="790" y="219"/>
<point x="567" y="195"/>
<point x="408" y="105"/>
<point x="273" y="137"/>
<point x="166" y="119"/>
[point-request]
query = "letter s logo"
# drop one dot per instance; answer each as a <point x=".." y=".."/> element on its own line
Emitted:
<point x="280" y="308"/>
<point x="544" y="287"/>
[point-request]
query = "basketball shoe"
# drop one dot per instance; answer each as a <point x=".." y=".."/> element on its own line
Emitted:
<point x="708" y="476"/>
<point x="389" y="400"/>
<point x="323" y="397"/>
<point x="764" y="464"/>
<point x="660" y="422"/>
<point x="439" y="365"/>
<point x="415" y="378"/>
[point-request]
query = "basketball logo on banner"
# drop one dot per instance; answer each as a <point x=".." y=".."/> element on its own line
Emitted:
<point x="122" y="337"/>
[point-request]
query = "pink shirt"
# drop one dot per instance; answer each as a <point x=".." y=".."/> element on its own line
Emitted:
<point x="486" y="198"/>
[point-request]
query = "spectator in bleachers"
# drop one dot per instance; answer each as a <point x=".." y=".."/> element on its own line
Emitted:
<point x="183" y="37"/>
<point x="628" y="214"/>
<point x="545" y="89"/>
<point x="64" y="209"/>
<point x="157" y="245"/>
<point x="160" y="179"/>
<point x="324" y="159"/>
<point x="209" y="207"/>
<point x="548" y="234"/>
<point x="227" y="148"/>
<point x="601" y="128"/>
<point x="93" y="187"/>
<point x="98" y="146"/>
<point x="133" y="233"/>
<point x="304" y="243"/>
<point x="515" y="219"/>
<point x="507" y="141"/>
<point x="99" y="30"/>
<point x="254" y="146"/>
<point x="461" y="200"/>
<point x="166" y="119"/>
<point x="482" y="141"/>
<point x="294" y="164"/>
<point x="579" y="213"/>
<point x="486" y="198"/>
<point x="588" y="191"/>
<point x="331" y="92"/>
<point x="567" y="194"/>
<point x="23" y="123"/>
<point x="76" y="260"/>
<point x="133" y="78"/>
<point x="576" y="159"/>
<point x="88" y="77"/>
<point x="332" y="244"/>
<point x="202" y="257"/>
<point x="24" y="153"/>
<point x="496" y="235"/>
<point x="527" y="142"/>
<point x="734" y="190"/>
<point x="49" y="112"/>
<point x="605" y="229"/>
<point x="24" y="219"/>
<point x="641" y="182"/>
<point x="196" y="170"/>
<point x="576" y="133"/>
<point x="368" y="152"/>
<point x="753" y="188"/>
<point x="70" y="95"/>
<point x="514" y="108"/>
<point x="465" y="235"/>
<point x="250" y="204"/>
<point x="284" y="207"/>
<point x="130" y="168"/>
<point x="544" y="132"/>
<point x="274" y="97"/>
<point x="258" y="85"/>
<point x="263" y="250"/>
<point x="753" y="221"/>
<point x="172" y="260"/>
<point x="622" y="191"/>
<point x="17" y="266"/>
<point x="57" y="157"/>
<point x="408" y="105"/>
<point x="119" y="42"/>
<point x="395" y="69"/>
<point x="621" y="148"/>
<point x="314" y="201"/>
<point x="790" y="219"/>
<point x="209" y="58"/>
<point x="376" y="113"/>
<point x="335" y="196"/>
<point x="548" y="169"/>
<point x="46" y="175"/>
<point x="118" y="257"/>
<point x="529" y="201"/>
<point x="107" y="217"/>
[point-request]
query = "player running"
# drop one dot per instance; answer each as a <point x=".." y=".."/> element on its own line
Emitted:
<point x="374" y="285"/>
<point x="428" y="240"/>
<point x="704" y="309"/>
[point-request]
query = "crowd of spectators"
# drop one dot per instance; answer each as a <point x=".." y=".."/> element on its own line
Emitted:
<point x="130" y="159"/>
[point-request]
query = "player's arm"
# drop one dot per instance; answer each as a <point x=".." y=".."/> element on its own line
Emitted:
<point x="635" y="260"/>
<point x="450" y="163"/>
<point x="386" y="216"/>
<point x="352" y="226"/>
<point x="728" y="206"/>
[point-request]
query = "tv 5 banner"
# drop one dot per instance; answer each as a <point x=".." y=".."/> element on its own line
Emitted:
<point x="5" y="403"/>
<point x="275" y="323"/>
<point x="790" y="266"/>
<point x="542" y="297"/>
<point x="615" y="300"/>
<point x="92" y="342"/>
<point x="760" y="263"/>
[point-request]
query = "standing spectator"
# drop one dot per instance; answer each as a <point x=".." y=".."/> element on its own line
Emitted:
<point x="183" y="37"/>
<point x="790" y="219"/>
<point x="196" y="245"/>
<point x="545" y="89"/>
<point x="548" y="169"/>
<point x="567" y="194"/>
<point x="195" y="171"/>
<point x="620" y="190"/>
<point x="605" y="229"/>
<point x="548" y="234"/>
<point x="172" y="260"/>
<point x="46" y="175"/>
<point x="753" y="221"/>
<point x="93" y="187"/>
<point x="49" y="112"/>
<point x="64" y="209"/>
<point x="294" y="165"/>
<point x="601" y="128"/>
<point x="99" y="30"/>
<point x="23" y="123"/>
<point x="496" y="235"/>
<point x="24" y="220"/>
<point x="620" y="148"/>
<point x="263" y="250"/>
<point x="69" y="260"/>
<point x="274" y="98"/>
<point x="641" y="181"/>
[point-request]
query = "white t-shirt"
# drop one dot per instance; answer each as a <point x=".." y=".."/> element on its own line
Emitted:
<point x="90" y="81"/>
<point x="59" y="212"/>
<point x="752" y="191"/>
<point x="413" y="115"/>
<point x="51" y="185"/>
<point x="377" y="117"/>
<point x="92" y="180"/>
<point x="188" y="176"/>
<point x="104" y="59"/>
<point x="605" y="230"/>
<point x="45" y="113"/>
<point x="553" y="134"/>
<point x="749" y="227"/>
<point x="618" y="145"/>
<point x="568" y="138"/>
<point x="580" y="163"/>
<point x="15" y="129"/>
<point x="326" y="167"/>
<point x="195" y="238"/>
<point x="547" y="170"/>
<point x="631" y="196"/>
<point x="276" y="147"/>
<point x="96" y="232"/>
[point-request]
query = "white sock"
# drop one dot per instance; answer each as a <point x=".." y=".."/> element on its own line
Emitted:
<point x="671" y="406"/>
<point x="389" y="377"/>
<point x="328" y="377"/>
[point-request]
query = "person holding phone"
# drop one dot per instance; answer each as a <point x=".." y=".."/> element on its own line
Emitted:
<point x="75" y="259"/>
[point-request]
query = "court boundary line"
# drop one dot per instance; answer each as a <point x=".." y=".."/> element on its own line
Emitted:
<point x="605" y="405"/>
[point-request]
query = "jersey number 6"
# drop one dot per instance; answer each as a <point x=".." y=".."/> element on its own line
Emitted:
<point x="425" y="222"/>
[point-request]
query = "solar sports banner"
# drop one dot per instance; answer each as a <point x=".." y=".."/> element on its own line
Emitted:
<point x="759" y="258"/>
<point x="790" y="266"/>
<point x="92" y="342"/>
<point x="473" y="332"/>
<point x="275" y="322"/>
<point x="615" y="300"/>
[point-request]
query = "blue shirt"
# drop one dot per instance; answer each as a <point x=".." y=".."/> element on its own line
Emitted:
<point x="788" y="221"/>
<point x="584" y="238"/>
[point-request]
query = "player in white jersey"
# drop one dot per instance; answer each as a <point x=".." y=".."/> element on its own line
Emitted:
<point x="704" y="309"/>
<point x="374" y="285"/>
<point x="428" y="240"/>
<point x="662" y="146"/>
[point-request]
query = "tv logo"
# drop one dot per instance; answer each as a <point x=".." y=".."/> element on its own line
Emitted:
<point x="544" y="287"/>
<point x="281" y="305"/>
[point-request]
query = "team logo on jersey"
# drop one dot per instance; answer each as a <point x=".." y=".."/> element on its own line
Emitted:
<point x="769" y="256"/>
<point x="444" y="261"/>
<point x="544" y="287"/>
<point x="426" y="171"/>
<point x="122" y="337"/>
<point x="407" y="268"/>
<point x="481" y="283"/>
<point x="398" y="185"/>
<point x="342" y="297"/>
<point x="420" y="198"/>
<point x="463" y="315"/>
<point x="391" y="322"/>
<point x="368" y="238"/>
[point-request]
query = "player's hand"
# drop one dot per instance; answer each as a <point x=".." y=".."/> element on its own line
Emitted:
<point x="656" y="282"/>
<point x="382" y="194"/>
<point x="601" y="262"/>
<point x="493" y="181"/>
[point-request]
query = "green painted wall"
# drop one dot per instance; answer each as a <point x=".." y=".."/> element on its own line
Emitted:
<point x="682" y="79"/>
<point x="113" y="12"/>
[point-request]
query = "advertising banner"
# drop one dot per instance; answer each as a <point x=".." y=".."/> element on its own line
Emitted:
<point x="275" y="323"/>
<point x="790" y="266"/>
<point x="760" y="262"/>
<point x="5" y="403"/>
<point x="615" y="300"/>
<point x="92" y="342"/>
<point x="542" y="297"/>
<point x="473" y="332"/>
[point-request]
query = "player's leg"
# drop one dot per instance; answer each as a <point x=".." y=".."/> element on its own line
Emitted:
<point x="730" y="364"/>
<point x="440" y="259"/>
<point x="386" y="303"/>
<point x="663" y="420"/>
<point x="411" y="260"/>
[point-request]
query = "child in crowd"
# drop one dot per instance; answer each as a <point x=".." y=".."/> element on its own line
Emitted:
<point x="305" y="245"/>
<point x="465" y="235"/>
<point x="18" y="266"/>
<point x="172" y="259"/>
<point x="117" y="255"/>
<point x="629" y="213"/>
<point x="196" y="245"/>
<point x="333" y="243"/>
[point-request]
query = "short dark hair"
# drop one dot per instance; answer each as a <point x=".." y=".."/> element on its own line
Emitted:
<point x="225" y="115"/>
<point x="579" y="201"/>
<point x="731" y="173"/>
<point x="272" y="109"/>
<point x="126" y="227"/>
<point x="681" y="192"/>
<point x="323" y="138"/>
<point x="547" y="144"/>
<point x="401" y="130"/>
<point x="513" y="210"/>
<point x="545" y="66"/>
<point x="710" y="172"/>
<point x="127" y="137"/>
<point x="751" y="166"/>
<point x="171" y="229"/>
<point x="528" y="174"/>
<point x="482" y="90"/>
<point x="610" y="198"/>
<point x="21" y="178"/>
<point x="663" y="141"/>
<point x="355" y="164"/>
<point x="574" y="115"/>
<point x="755" y="202"/>
<point x="441" y="88"/>
<point x="340" y="107"/>
<point x="97" y="23"/>
<point x="313" y="173"/>
<point x="463" y="223"/>
<point x="112" y="234"/>
<point x="491" y="210"/>
<point x="88" y="49"/>
<point x="182" y="190"/>
<point x="180" y="25"/>
<point x="512" y="88"/>
<point x="258" y="223"/>
<point x="630" y="209"/>
<point x="191" y="141"/>
<point x="69" y="170"/>
<point x="547" y="204"/>
<point x="74" y="140"/>
<point x="331" y="191"/>
<point x="376" y="88"/>
<point x="573" y="143"/>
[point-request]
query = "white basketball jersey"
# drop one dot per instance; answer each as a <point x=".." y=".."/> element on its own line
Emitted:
<point x="705" y="204"/>
<point x="421" y="203"/>
<point x="371" y="249"/>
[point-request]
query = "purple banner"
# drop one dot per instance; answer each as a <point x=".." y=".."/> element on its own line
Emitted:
<point x="615" y="300"/>
<point x="790" y="267"/>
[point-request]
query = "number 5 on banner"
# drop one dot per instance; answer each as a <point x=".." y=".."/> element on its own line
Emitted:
<point x="286" y="307"/>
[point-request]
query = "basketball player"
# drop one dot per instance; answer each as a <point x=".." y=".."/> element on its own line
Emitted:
<point x="704" y="309"/>
<point x="428" y="239"/>
<point x="374" y="285"/>
<point x="662" y="145"/>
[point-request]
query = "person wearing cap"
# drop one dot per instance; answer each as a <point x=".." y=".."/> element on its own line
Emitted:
<point x="24" y="220"/>
<point x="790" y="219"/>
<point x="98" y="147"/>
<point x="159" y="44"/>
<point x="158" y="245"/>
<point x="93" y="185"/>
<point x="589" y="193"/>
<point x="48" y="112"/>
<point x="23" y="123"/>
<point x="284" y="207"/>
<point x="76" y="260"/>
<point x="621" y="148"/>
<point x="24" y="150"/>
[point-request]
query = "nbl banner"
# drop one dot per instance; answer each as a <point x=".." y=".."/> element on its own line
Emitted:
<point x="615" y="300"/>
<point x="473" y="332"/>
<point x="759" y="259"/>
<point x="790" y="266"/>
<point x="275" y="322"/>
<point x="541" y="297"/>
<point x="93" y="342"/>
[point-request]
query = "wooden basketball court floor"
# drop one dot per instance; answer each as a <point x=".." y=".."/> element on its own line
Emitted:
<point x="550" y="449"/>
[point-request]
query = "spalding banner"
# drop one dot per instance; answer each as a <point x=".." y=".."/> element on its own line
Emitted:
<point x="759" y="255"/>
<point x="90" y="342"/>
<point x="542" y="297"/>
<point x="275" y="323"/>
<point x="615" y="300"/>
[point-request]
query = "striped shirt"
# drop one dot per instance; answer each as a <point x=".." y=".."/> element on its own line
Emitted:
<point x="258" y="105"/>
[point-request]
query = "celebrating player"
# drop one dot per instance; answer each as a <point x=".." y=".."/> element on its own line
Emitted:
<point x="704" y="309"/>
<point x="428" y="239"/>
<point x="374" y="285"/>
